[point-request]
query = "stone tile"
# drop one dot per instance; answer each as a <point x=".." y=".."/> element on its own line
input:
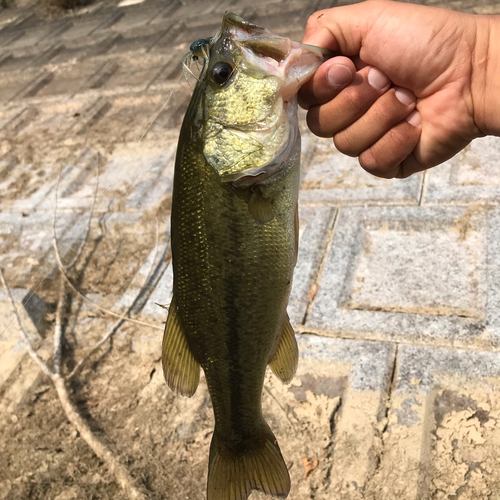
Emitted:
<point x="141" y="39"/>
<point x="31" y="57"/>
<point x="142" y="14"/>
<point x="333" y="412"/>
<point x="26" y="247"/>
<point x="412" y="275"/>
<point x="84" y="26"/>
<point x="135" y="76"/>
<point x="442" y="433"/>
<point x="48" y="119"/>
<point x="127" y="118"/>
<point x="31" y="185"/>
<point x="32" y="311"/>
<point x="40" y="33"/>
<point x="70" y="79"/>
<point x="17" y="83"/>
<point x="135" y="177"/>
<point x="162" y="294"/>
<point x="85" y="48"/>
<point x="331" y="177"/>
<point x="314" y="228"/>
<point x="470" y="177"/>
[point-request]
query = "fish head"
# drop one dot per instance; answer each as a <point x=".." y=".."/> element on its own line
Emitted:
<point x="246" y="98"/>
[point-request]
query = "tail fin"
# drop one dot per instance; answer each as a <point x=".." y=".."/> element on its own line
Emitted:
<point x="233" y="478"/>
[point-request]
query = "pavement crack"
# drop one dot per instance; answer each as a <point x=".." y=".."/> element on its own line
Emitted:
<point x="384" y="414"/>
<point x="331" y="232"/>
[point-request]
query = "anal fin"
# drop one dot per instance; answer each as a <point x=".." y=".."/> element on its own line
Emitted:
<point x="181" y="370"/>
<point x="286" y="359"/>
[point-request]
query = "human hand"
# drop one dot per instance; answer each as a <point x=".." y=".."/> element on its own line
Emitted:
<point x="415" y="92"/>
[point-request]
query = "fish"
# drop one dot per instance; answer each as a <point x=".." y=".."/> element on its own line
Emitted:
<point x="234" y="240"/>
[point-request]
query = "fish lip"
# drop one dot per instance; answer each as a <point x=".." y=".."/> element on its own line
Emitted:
<point x="232" y="19"/>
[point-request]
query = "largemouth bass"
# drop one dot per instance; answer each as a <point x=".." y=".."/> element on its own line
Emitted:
<point x="234" y="244"/>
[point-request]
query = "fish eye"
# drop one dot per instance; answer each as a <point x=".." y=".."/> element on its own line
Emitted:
<point x="222" y="72"/>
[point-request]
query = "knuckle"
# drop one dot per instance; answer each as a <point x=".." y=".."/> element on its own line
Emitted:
<point x="315" y="18"/>
<point x="345" y="144"/>
<point x="369" y="161"/>
<point x="315" y="124"/>
<point x="352" y="101"/>
<point x="383" y="114"/>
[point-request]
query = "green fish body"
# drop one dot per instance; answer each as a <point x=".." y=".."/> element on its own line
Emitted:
<point x="234" y="245"/>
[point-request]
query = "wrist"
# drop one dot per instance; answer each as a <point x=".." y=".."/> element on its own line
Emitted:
<point x="485" y="81"/>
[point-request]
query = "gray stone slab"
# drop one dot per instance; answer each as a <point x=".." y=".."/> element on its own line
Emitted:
<point x="127" y="118"/>
<point x="314" y="226"/>
<point x="47" y="119"/>
<point x="333" y="178"/>
<point x="26" y="243"/>
<point x="40" y="33"/>
<point x="14" y="83"/>
<point x="142" y="14"/>
<point x="135" y="76"/>
<point x="71" y="78"/>
<point x="334" y="408"/>
<point x="420" y="275"/>
<point x="442" y="431"/>
<point x="470" y="177"/>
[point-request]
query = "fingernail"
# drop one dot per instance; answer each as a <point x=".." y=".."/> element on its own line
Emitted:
<point x="377" y="79"/>
<point x="414" y="118"/>
<point x="339" y="75"/>
<point x="405" y="96"/>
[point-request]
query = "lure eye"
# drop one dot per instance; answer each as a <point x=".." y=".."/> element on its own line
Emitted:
<point x="222" y="72"/>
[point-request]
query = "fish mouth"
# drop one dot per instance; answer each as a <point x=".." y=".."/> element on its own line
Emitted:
<point x="292" y="62"/>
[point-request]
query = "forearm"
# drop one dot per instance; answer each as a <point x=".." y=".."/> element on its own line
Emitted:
<point x="485" y="82"/>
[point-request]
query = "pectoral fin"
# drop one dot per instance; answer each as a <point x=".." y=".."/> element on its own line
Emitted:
<point x="286" y="359"/>
<point x="181" y="370"/>
<point x="260" y="207"/>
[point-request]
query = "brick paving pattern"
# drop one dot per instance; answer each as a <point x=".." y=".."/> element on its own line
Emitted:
<point x="397" y="288"/>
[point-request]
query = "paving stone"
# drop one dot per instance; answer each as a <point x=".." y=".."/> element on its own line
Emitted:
<point x="314" y="227"/>
<point x="8" y="37"/>
<point x="137" y="76"/>
<point x="331" y="177"/>
<point x="26" y="244"/>
<point x="47" y="119"/>
<point x="32" y="312"/>
<point x="470" y="177"/>
<point x="412" y="275"/>
<point x="33" y="182"/>
<point x="135" y="41"/>
<point x="127" y="118"/>
<point x="334" y="409"/>
<point x="442" y="432"/>
<point x="85" y="48"/>
<point x="40" y="33"/>
<point x="18" y="83"/>
<point x="70" y="79"/>
<point x="162" y="294"/>
<point x="142" y="14"/>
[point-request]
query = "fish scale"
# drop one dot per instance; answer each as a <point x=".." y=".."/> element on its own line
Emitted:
<point x="234" y="246"/>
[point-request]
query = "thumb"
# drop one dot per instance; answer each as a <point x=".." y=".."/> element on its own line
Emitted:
<point x="342" y="29"/>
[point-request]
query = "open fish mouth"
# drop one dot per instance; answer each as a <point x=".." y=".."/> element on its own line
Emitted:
<point x="292" y="62"/>
<point x="257" y="74"/>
